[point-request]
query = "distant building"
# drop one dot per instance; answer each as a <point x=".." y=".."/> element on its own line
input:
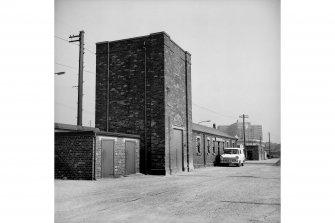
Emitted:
<point x="255" y="147"/>
<point x="252" y="132"/>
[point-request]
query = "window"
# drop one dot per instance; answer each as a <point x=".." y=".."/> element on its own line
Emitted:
<point x="227" y="144"/>
<point x="208" y="145"/>
<point x="198" y="144"/>
<point x="213" y="145"/>
<point x="231" y="151"/>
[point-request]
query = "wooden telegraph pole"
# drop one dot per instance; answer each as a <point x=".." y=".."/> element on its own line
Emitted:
<point x="269" y="146"/>
<point x="80" y="75"/>
<point x="244" y="116"/>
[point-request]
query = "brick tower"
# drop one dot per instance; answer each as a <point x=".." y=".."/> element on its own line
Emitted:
<point x="143" y="87"/>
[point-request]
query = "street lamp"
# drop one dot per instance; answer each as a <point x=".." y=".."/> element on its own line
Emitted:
<point x="204" y="121"/>
<point x="60" y="73"/>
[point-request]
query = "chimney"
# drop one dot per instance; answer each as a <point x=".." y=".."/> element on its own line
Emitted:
<point x="214" y="126"/>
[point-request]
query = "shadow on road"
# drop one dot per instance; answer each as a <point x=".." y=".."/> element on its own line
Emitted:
<point x="246" y="202"/>
<point x="257" y="177"/>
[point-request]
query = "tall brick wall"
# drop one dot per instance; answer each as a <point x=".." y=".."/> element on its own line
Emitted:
<point x="126" y="92"/>
<point x="74" y="156"/>
<point x="178" y="103"/>
<point x="164" y="63"/>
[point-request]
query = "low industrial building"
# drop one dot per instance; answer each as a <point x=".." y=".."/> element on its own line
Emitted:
<point x="208" y="145"/>
<point x="87" y="153"/>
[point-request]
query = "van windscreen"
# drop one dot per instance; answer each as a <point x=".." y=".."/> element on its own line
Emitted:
<point x="230" y="151"/>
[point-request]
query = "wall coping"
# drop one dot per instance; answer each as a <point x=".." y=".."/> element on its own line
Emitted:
<point x="67" y="128"/>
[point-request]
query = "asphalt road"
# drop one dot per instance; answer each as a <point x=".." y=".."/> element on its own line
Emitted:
<point x="215" y="194"/>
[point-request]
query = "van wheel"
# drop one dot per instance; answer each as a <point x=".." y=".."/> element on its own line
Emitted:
<point x="239" y="163"/>
<point x="242" y="163"/>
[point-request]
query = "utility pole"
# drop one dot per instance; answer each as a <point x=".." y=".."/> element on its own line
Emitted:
<point x="80" y="75"/>
<point x="244" y="116"/>
<point x="269" y="147"/>
<point x="260" y="146"/>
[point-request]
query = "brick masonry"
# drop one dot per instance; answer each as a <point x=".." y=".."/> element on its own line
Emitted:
<point x="74" y="155"/>
<point x="119" y="155"/>
<point x="122" y="67"/>
<point x="178" y="101"/>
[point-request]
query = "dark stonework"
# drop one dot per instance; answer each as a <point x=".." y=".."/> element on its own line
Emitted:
<point x="78" y="155"/>
<point x="74" y="156"/>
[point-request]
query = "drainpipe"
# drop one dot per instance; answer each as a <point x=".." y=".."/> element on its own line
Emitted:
<point x="187" y="136"/>
<point x="145" y="110"/>
<point x="107" y="115"/>
<point x="94" y="156"/>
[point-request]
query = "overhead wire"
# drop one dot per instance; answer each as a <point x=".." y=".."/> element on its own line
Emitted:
<point x="210" y="110"/>
<point x="73" y="108"/>
<point x="85" y="48"/>
<point x="91" y="51"/>
<point x="64" y="65"/>
<point x="77" y="28"/>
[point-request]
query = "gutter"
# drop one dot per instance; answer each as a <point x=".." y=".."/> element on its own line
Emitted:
<point x="107" y="115"/>
<point x="145" y="110"/>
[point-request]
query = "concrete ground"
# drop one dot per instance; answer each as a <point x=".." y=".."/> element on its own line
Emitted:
<point x="216" y="194"/>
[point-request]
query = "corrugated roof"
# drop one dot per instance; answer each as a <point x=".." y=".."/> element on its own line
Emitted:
<point x="205" y="129"/>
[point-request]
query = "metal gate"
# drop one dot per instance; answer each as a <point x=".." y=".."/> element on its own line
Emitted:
<point x="107" y="158"/>
<point x="177" y="151"/>
<point x="130" y="157"/>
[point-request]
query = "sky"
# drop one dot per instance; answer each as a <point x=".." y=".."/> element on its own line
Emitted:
<point x="235" y="48"/>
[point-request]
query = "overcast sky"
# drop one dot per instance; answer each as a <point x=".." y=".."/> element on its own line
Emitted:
<point x="235" y="48"/>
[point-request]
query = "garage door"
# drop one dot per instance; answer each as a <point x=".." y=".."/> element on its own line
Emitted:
<point x="107" y="158"/>
<point x="130" y="157"/>
<point x="177" y="151"/>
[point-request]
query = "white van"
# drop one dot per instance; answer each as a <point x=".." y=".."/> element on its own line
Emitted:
<point x="233" y="156"/>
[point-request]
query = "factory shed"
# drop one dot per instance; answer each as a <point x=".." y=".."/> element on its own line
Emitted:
<point x="208" y="145"/>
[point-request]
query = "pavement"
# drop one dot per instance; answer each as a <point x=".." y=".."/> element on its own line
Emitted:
<point x="250" y="193"/>
<point x="273" y="161"/>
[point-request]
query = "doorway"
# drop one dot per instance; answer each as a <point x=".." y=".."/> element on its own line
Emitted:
<point x="107" y="158"/>
<point x="249" y="155"/>
<point x="176" y="155"/>
<point x="130" y="157"/>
